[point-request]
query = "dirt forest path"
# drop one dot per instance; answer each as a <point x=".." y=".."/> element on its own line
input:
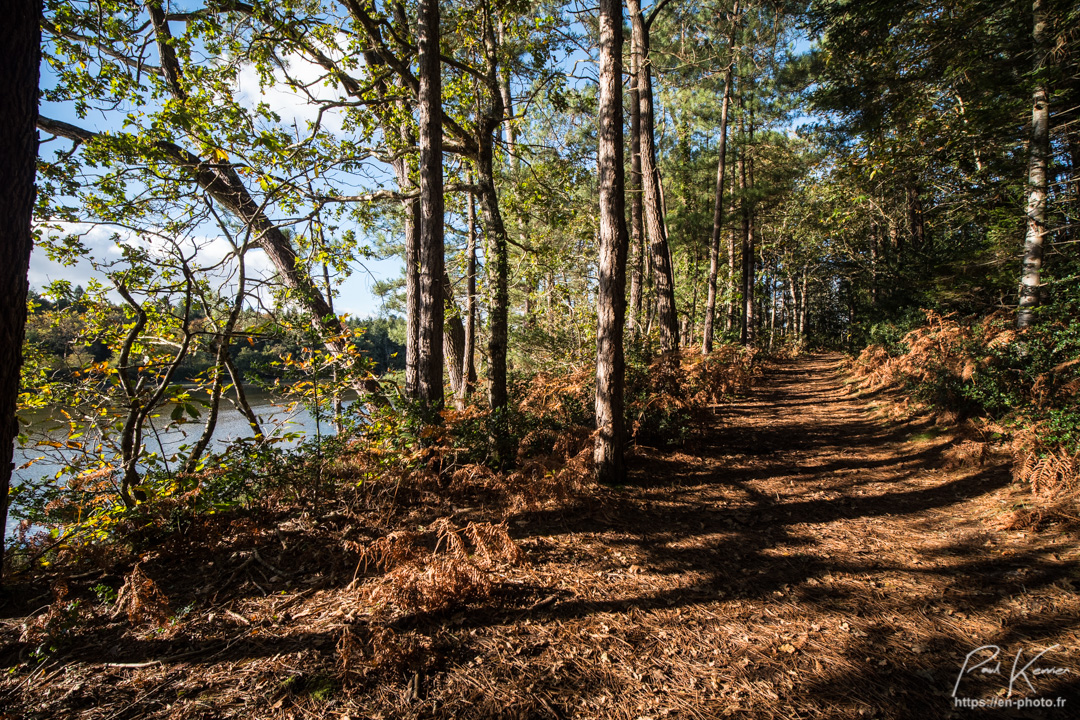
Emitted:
<point x="808" y="559"/>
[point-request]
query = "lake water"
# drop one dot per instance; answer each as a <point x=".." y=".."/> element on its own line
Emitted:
<point x="274" y="415"/>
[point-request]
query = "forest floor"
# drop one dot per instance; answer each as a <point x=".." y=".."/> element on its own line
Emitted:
<point x="805" y="557"/>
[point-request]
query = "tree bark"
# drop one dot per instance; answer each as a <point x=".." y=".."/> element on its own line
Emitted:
<point x="637" y="228"/>
<point x="1038" y="152"/>
<point x="793" y="311"/>
<point x="432" y="249"/>
<point x="496" y="253"/>
<point x="468" y="371"/>
<point x="609" y="451"/>
<point x="651" y="186"/>
<point x="874" y="244"/>
<point x="498" y="268"/>
<point x="730" y="308"/>
<point x="916" y="221"/>
<point x="509" y="132"/>
<point x="802" y="307"/>
<point x="20" y="53"/>
<point x="744" y="213"/>
<point x="718" y="206"/>
<point x="453" y="337"/>
<point x="412" y="266"/>
<point x="749" y="249"/>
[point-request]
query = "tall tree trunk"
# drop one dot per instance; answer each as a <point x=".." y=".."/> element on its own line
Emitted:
<point x="803" y="302"/>
<point x="497" y="263"/>
<point x="1073" y="137"/>
<point x="749" y="250"/>
<point x="896" y="240"/>
<point x="874" y="244"/>
<point x="637" y="228"/>
<point x="509" y="132"/>
<point x="412" y="267"/>
<point x="744" y="211"/>
<point x="20" y="52"/>
<point x="468" y="373"/>
<point x="916" y="220"/>
<point x="453" y="337"/>
<point x="1038" y="152"/>
<point x="651" y="186"/>
<point x="609" y="451"/>
<point x="496" y="253"/>
<point x="432" y="248"/>
<point x="730" y="306"/>
<point x="521" y="218"/>
<point x="793" y="311"/>
<point x="718" y="206"/>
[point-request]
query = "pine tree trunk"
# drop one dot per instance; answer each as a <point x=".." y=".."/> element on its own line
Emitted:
<point x="744" y="251"/>
<point x="430" y="316"/>
<point x="803" y="302"/>
<point x="1038" y="152"/>
<point x="916" y="221"/>
<point x="609" y="451"/>
<point x="653" y="193"/>
<point x="793" y="311"/>
<point x="453" y="337"/>
<point x="498" y="268"/>
<point x="468" y="373"/>
<point x="637" y="228"/>
<point x="749" y="249"/>
<point x="412" y="272"/>
<point x="874" y="264"/>
<point x="509" y="133"/>
<point x="718" y="206"/>
<point x="730" y="307"/>
<point x="20" y="51"/>
<point x="496" y="252"/>
<point x="718" y="219"/>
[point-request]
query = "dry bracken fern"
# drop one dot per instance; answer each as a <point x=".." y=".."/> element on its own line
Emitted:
<point x="142" y="600"/>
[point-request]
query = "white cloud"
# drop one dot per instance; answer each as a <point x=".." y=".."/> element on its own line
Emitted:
<point x="294" y="106"/>
<point x="103" y="246"/>
<point x="99" y="244"/>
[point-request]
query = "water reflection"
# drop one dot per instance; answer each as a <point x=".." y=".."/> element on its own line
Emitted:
<point x="35" y="461"/>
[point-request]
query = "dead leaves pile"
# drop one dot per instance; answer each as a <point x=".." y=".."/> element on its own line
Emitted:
<point x="461" y="567"/>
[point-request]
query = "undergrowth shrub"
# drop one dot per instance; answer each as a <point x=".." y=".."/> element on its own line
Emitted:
<point x="393" y="458"/>
<point x="667" y="396"/>
<point x="52" y="631"/>
<point x="1024" y="385"/>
